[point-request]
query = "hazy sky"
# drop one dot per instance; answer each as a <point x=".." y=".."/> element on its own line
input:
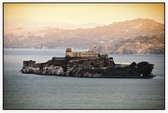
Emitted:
<point x="49" y="14"/>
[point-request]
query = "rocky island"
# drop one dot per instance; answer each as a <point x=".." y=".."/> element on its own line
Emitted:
<point x="88" y="64"/>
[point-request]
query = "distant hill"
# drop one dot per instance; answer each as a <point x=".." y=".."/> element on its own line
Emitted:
<point x="133" y="36"/>
<point x="140" y="45"/>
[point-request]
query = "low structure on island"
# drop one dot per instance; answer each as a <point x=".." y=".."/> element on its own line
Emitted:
<point x="88" y="64"/>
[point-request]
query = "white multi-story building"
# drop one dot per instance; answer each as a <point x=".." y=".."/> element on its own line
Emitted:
<point x="80" y="54"/>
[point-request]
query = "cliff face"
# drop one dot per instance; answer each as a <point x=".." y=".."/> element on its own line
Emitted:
<point x="117" y="37"/>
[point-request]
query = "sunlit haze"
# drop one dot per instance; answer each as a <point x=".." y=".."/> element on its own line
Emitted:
<point x="56" y="15"/>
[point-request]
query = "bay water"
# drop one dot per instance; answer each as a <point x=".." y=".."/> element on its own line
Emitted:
<point x="29" y="91"/>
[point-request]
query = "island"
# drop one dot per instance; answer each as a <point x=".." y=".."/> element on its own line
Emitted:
<point x="88" y="64"/>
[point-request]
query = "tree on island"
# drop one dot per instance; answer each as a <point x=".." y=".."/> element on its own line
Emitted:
<point x="145" y="68"/>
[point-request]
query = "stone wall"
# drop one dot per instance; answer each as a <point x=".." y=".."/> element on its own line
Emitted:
<point x="29" y="63"/>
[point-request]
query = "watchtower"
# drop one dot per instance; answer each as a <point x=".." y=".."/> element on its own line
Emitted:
<point x="69" y="52"/>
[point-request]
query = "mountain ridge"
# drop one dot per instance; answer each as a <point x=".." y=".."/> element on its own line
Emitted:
<point x="99" y="36"/>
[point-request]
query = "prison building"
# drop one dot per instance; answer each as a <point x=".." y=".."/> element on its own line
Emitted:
<point x="80" y="54"/>
<point x="29" y="63"/>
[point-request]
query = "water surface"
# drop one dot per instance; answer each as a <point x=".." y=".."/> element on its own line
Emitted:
<point x="29" y="91"/>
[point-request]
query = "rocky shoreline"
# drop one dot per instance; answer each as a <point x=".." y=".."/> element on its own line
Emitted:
<point x="100" y="67"/>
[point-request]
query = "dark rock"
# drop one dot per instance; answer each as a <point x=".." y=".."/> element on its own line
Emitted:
<point x="89" y="67"/>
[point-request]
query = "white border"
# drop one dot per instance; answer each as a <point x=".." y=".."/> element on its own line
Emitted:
<point x="74" y="111"/>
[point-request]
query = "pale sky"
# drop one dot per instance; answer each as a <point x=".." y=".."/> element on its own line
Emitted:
<point x="48" y="14"/>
